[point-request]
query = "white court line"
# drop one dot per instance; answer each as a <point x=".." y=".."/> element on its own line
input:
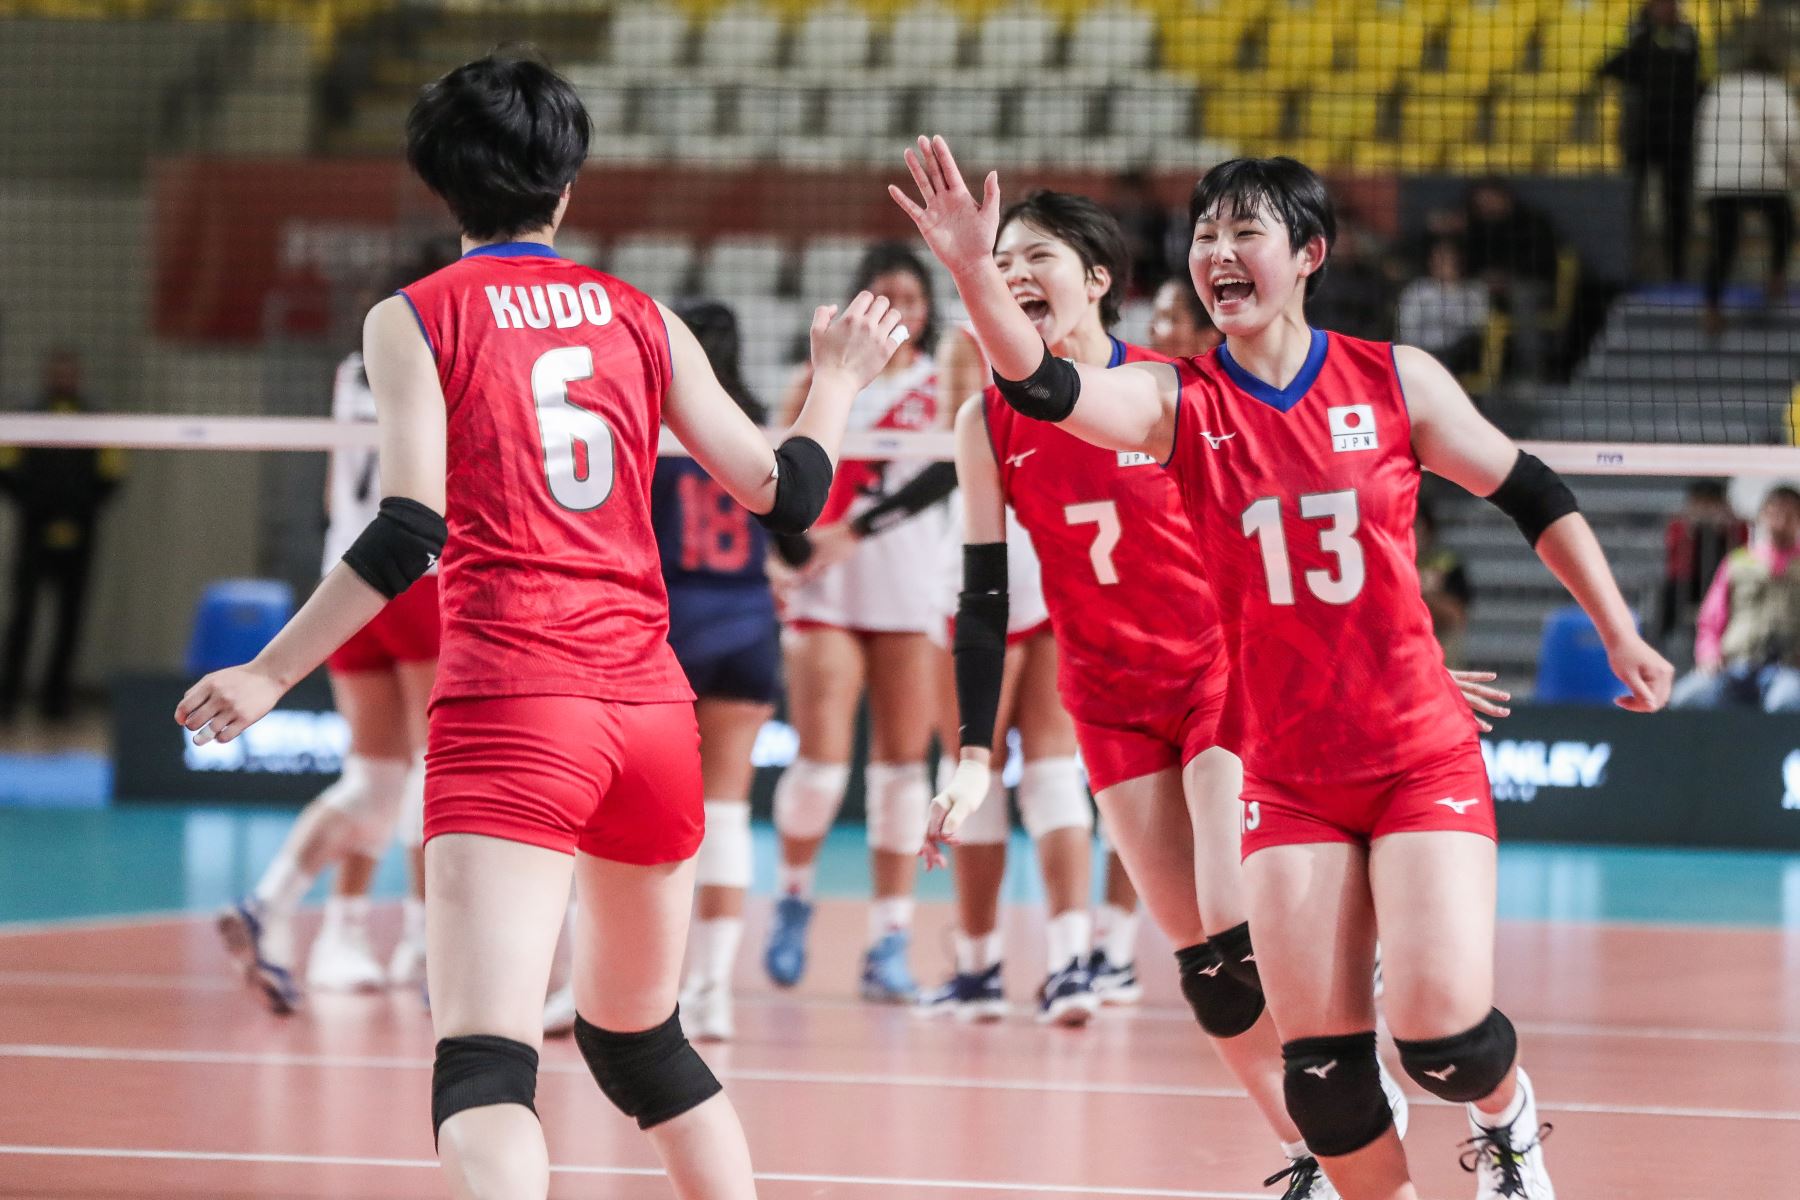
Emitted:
<point x="120" y="1054"/>
<point x="422" y="1164"/>
<point x="224" y="982"/>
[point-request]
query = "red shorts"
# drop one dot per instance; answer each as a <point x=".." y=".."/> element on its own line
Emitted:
<point x="614" y="780"/>
<point x="1448" y="793"/>
<point x="1113" y="754"/>
<point x="406" y="631"/>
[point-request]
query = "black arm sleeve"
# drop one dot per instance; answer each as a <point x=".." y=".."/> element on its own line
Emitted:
<point x="980" y="650"/>
<point x="802" y="481"/>
<point x="908" y="500"/>
<point x="1534" y="496"/>
<point x="1050" y="393"/>
<point x="398" y="546"/>
<point x="792" y="548"/>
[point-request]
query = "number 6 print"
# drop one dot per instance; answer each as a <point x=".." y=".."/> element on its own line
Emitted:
<point x="562" y="424"/>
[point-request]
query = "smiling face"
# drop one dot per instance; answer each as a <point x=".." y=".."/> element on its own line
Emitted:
<point x="1048" y="280"/>
<point x="1245" y="268"/>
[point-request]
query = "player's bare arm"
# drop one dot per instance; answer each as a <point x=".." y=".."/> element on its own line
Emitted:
<point x="1454" y="440"/>
<point x="398" y="546"/>
<point x="1131" y="407"/>
<point x="849" y="349"/>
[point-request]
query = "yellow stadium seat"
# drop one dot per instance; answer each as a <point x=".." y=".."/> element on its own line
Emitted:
<point x="1575" y="46"/>
<point x="1318" y="153"/>
<point x="1341" y="116"/>
<point x="1384" y="48"/>
<point x="1205" y="39"/>
<point x="1534" y="120"/>
<point x="1484" y="42"/>
<point x="1242" y="116"/>
<point x="1499" y="158"/>
<point x="1413" y="158"/>
<point x="1592" y="159"/>
<point x="1301" y="47"/>
<point x="1438" y="119"/>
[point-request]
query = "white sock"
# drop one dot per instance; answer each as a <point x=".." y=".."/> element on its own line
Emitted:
<point x="412" y="927"/>
<point x="887" y="914"/>
<point x="1069" y="936"/>
<point x="715" y="949"/>
<point x="1116" y="931"/>
<point x="795" y="881"/>
<point x="1522" y="1106"/>
<point x="975" y="954"/>
<point x="1295" y="1150"/>
<point x="345" y="912"/>
<point x="282" y="886"/>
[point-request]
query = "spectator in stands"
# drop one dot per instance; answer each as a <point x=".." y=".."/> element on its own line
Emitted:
<point x="1180" y="326"/>
<point x="1749" y="134"/>
<point x="1445" y="583"/>
<point x="1513" y="248"/>
<point x="1148" y="229"/>
<point x="59" y="493"/>
<point x="1445" y="312"/>
<point x="1747" y="647"/>
<point x="1696" y="542"/>
<point x="1660" y="68"/>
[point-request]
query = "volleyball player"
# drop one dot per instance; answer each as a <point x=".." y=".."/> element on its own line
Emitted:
<point x="1366" y="804"/>
<point x="1052" y="793"/>
<point x="380" y="681"/>
<point x="859" y="620"/>
<point x="520" y="394"/>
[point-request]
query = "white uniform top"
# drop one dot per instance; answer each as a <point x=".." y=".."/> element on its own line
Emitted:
<point x="888" y="584"/>
<point x="1748" y="135"/>
<point x="353" y="490"/>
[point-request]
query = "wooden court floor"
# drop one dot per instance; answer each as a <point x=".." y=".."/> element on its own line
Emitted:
<point x="131" y="1066"/>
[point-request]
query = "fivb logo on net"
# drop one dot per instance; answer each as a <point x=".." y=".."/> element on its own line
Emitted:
<point x="1517" y="769"/>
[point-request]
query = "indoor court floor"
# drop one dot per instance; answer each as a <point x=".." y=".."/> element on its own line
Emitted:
<point x="1657" y="993"/>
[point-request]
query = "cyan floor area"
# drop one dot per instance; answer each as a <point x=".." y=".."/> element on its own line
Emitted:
<point x="64" y="864"/>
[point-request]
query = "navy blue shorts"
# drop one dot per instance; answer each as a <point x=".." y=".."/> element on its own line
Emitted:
<point x="728" y="641"/>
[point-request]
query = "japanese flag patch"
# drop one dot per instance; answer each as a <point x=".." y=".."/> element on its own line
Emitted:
<point x="1352" y="427"/>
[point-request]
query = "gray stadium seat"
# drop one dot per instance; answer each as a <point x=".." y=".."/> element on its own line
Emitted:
<point x="748" y="265"/>
<point x="645" y="41"/>
<point x="826" y="267"/>
<point x="960" y="112"/>
<point x="673" y="110"/>
<point x="659" y="264"/>
<point x="1015" y="42"/>
<point x="1059" y="112"/>
<point x="832" y="42"/>
<point x="862" y="112"/>
<point x="740" y="42"/>
<point x="924" y="43"/>
<point x="1113" y="42"/>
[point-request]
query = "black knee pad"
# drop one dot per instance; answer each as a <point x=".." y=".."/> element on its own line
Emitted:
<point x="480" y="1069"/>
<point x="1224" y="1006"/>
<point x="1333" y="1089"/>
<point x="651" y="1076"/>
<point x="1465" y="1066"/>
<point x="1234" y="949"/>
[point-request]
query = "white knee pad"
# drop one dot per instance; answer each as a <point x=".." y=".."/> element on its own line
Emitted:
<point x="1052" y="796"/>
<point x="898" y="803"/>
<point x="369" y="794"/>
<point x="724" y="858"/>
<point x="412" y="806"/>
<point x="808" y="796"/>
<point x="990" y="824"/>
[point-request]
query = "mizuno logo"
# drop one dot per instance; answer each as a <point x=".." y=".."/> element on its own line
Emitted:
<point x="430" y="561"/>
<point x="1215" y="440"/>
<point x="1209" y="972"/>
<point x="1461" y="806"/>
<point x="1013" y="460"/>
<point x="1443" y="1075"/>
<point x="1323" y="1071"/>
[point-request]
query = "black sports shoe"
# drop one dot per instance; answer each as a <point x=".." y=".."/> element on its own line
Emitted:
<point x="1305" y="1180"/>
<point x="1067" y="997"/>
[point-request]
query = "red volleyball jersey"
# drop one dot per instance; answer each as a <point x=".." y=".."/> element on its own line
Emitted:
<point x="1303" y="500"/>
<point x="553" y="378"/>
<point x="1135" y="622"/>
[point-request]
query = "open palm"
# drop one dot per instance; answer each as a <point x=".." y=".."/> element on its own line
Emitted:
<point x="959" y="230"/>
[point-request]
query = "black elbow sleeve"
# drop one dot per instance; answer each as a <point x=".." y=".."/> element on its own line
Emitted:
<point x="802" y="481"/>
<point x="980" y="647"/>
<point x="1048" y="395"/>
<point x="398" y="546"/>
<point x="913" y="497"/>
<point x="1534" y="496"/>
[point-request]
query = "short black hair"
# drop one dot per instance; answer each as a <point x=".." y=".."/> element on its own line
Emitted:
<point x="885" y="258"/>
<point x="1087" y="228"/>
<point x="1784" y="492"/>
<point x="1706" y="489"/>
<point x="1289" y="188"/>
<point x="715" y="327"/>
<point x="499" y="139"/>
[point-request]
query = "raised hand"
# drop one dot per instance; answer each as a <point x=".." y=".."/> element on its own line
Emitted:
<point x="959" y="230"/>
<point x="859" y="341"/>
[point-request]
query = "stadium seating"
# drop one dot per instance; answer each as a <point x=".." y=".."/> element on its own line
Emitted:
<point x="234" y="620"/>
<point x="656" y="263"/>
